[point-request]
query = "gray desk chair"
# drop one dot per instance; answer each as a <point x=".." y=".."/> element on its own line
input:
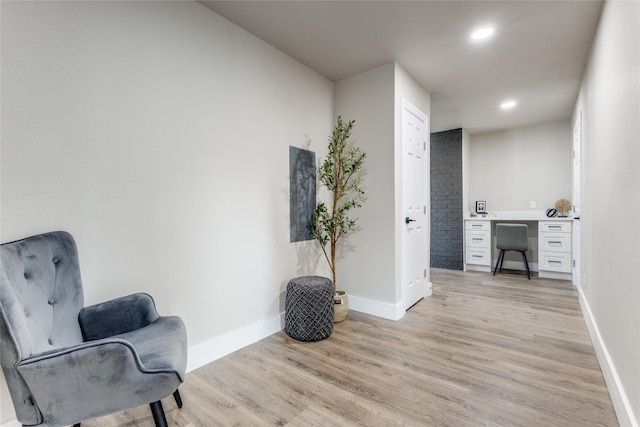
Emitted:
<point x="512" y="237"/>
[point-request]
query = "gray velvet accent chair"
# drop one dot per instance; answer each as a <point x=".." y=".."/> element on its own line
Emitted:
<point x="64" y="363"/>
<point x="512" y="237"/>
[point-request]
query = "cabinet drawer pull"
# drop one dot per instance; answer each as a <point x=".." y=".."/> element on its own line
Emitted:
<point x="476" y="256"/>
<point x="553" y="261"/>
<point x="555" y="242"/>
<point x="555" y="227"/>
<point x="476" y="226"/>
<point x="477" y="239"/>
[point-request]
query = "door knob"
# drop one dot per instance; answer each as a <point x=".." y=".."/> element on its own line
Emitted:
<point x="407" y="220"/>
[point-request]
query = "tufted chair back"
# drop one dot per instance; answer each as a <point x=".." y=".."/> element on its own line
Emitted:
<point x="40" y="298"/>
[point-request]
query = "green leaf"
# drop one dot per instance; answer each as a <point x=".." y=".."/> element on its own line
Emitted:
<point x="340" y="173"/>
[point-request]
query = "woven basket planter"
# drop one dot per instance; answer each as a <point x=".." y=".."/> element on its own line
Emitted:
<point x="341" y="306"/>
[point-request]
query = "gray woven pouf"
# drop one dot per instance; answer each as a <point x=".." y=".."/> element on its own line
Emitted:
<point x="309" y="308"/>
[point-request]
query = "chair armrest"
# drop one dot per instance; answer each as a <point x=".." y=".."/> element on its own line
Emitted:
<point x="58" y="355"/>
<point x="91" y="379"/>
<point x="117" y="316"/>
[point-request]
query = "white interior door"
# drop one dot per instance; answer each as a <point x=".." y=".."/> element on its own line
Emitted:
<point x="415" y="164"/>
<point x="577" y="202"/>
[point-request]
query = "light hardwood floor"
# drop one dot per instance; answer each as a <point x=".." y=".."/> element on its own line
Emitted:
<point x="481" y="351"/>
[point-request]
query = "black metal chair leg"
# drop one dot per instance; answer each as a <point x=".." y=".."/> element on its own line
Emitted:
<point x="501" y="255"/>
<point x="176" y="396"/>
<point x="526" y="265"/>
<point x="158" y="414"/>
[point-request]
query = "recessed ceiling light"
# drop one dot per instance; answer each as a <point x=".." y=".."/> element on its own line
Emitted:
<point x="508" y="104"/>
<point x="482" y="33"/>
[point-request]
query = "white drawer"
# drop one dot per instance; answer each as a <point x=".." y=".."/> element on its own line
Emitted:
<point x="554" y="226"/>
<point x="478" y="256"/>
<point x="478" y="225"/>
<point x="478" y="239"/>
<point x="555" y="242"/>
<point x="555" y="261"/>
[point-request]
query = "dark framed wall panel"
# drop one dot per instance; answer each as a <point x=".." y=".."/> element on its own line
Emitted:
<point x="302" y="192"/>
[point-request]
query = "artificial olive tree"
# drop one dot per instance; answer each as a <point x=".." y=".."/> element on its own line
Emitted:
<point x="341" y="174"/>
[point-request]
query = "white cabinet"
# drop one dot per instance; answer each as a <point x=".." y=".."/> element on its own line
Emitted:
<point x="554" y="242"/>
<point x="556" y="226"/>
<point x="478" y="245"/>
<point x="554" y="249"/>
<point x="553" y="246"/>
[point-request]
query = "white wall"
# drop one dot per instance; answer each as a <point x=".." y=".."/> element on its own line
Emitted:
<point x="371" y="271"/>
<point x="157" y="133"/>
<point x="509" y="169"/>
<point x="367" y="269"/>
<point x="610" y="104"/>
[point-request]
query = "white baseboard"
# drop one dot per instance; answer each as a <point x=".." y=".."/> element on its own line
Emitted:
<point x="616" y="391"/>
<point x="507" y="265"/>
<point x="218" y="347"/>
<point x="13" y="423"/>
<point x="480" y="268"/>
<point x="377" y="308"/>
<point x="518" y="265"/>
<point x="208" y="351"/>
<point x="382" y="309"/>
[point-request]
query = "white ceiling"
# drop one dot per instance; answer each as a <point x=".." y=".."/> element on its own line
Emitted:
<point x="537" y="55"/>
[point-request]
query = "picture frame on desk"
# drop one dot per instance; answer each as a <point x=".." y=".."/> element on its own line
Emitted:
<point x="481" y="207"/>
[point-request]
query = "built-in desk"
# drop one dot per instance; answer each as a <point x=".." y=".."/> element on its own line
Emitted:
<point x="549" y="243"/>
